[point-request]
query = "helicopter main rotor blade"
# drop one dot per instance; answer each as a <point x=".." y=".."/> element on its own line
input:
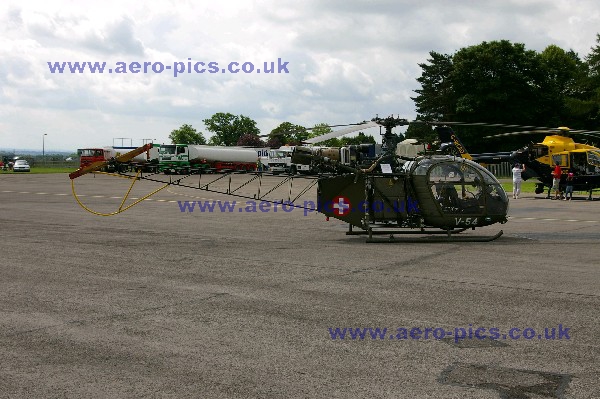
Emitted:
<point x="545" y="131"/>
<point x="518" y="133"/>
<point x="485" y="124"/>
<point x="583" y="131"/>
<point x="345" y="124"/>
<point x="340" y="132"/>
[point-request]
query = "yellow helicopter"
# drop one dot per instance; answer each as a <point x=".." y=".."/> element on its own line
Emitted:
<point x="558" y="147"/>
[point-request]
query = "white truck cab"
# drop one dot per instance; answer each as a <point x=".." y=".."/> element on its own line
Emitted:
<point x="280" y="161"/>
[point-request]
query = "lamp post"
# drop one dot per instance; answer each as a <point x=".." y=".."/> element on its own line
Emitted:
<point x="44" y="148"/>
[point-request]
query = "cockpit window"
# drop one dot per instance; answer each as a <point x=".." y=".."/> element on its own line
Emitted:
<point x="457" y="187"/>
<point x="538" y="150"/>
<point x="423" y="167"/>
<point x="495" y="199"/>
<point x="453" y="172"/>
<point x="594" y="158"/>
<point x="462" y="187"/>
<point x="561" y="159"/>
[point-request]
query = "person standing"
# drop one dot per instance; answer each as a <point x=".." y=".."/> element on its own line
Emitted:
<point x="569" y="187"/>
<point x="556" y="180"/>
<point x="517" y="179"/>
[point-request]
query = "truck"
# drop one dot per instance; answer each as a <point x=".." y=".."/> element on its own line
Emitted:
<point x="188" y="158"/>
<point x="263" y="157"/>
<point x="313" y="158"/>
<point x="87" y="156"/>
<point x="280" y="161"/>
<point x="410" y="148"/>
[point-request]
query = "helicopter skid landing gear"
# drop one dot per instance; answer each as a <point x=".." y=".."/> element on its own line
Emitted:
<point x="373" y="231"/>
<point x="434" y="236"/>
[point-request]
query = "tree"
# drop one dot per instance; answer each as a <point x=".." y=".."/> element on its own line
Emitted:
<point x="590" y="103"/>
<point x="562" y="72"/>
<point x="360" y="138"/>
<point x="289" y="133"/>
<point x="502" y="82"/>
<point x="250" y="140"/>
<point x="496" y="82"/>
<point x="593" y="59"/>
<point x="274" y="142"/>
<point x="436" y="100"/>
<point x="186" y="134"/>
<point x="228" y="128"/>
<point x="422" y="132"/>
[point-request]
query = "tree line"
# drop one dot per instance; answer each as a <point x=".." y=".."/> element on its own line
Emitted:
<point x="239" y="130"/>
<point x="503" y="82"/>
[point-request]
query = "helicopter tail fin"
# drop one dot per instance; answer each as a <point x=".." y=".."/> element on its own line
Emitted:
<point x="450" y="143"/>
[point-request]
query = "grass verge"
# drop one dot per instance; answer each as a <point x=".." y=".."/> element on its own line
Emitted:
<point x="526" y="187"/>
<point x="40" y="170"/>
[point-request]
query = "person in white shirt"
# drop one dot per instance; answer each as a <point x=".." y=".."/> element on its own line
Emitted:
<point x="517" y="180"/>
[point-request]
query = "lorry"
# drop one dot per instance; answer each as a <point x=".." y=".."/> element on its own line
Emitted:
<point x="188" y="158"/>
<point x="312" y="158"/>
<point x="262" y="154"/>
<point x="88" y="156"/>
<point x="280" y="161"/>
<point x="410" y="148"/>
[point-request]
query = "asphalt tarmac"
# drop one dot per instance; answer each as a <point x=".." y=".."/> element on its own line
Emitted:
<point x="156" y="302"/>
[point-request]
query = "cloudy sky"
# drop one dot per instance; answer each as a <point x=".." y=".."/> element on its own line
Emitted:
<point x="347" y="60"/>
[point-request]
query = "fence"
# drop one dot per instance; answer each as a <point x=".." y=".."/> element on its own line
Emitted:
<point x="58" y="164"/>
<point x="502" y="170"/>
<point x="49" y="163"/>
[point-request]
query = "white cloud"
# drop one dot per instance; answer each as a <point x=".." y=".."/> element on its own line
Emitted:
<point x="347" y="60"/>
<point x="117" y="38"/>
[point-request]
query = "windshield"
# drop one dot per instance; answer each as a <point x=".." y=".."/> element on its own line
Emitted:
<point x="280" y="154"/>
<point x="465" y="188"/>
<point x="167" y="149"/>
<point x="91" y="153"/>
<point x="21" y="162"/>
<point x="594" y="158"/>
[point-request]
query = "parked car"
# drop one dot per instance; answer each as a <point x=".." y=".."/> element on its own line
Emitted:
<point x="21" y="165"/>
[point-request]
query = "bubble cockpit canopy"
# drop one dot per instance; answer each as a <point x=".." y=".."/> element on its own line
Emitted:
<point x="460" y="186"/>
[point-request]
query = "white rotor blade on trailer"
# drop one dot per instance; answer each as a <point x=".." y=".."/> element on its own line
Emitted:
<point x="340" y="132"/>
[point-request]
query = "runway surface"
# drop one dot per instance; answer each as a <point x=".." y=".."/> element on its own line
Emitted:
<point x="156" y="302"/>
